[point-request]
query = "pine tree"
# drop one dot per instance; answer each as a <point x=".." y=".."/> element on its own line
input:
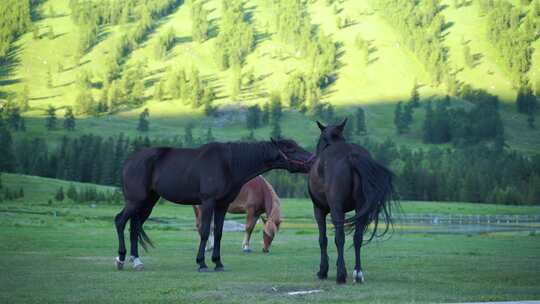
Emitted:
<point x="7" y="158"/>
<point x="265" y="116"/>
<point x="276" y="129"/>
<point x="531" y="121"/>
<point x="253" y="117"/>
<point x="188" y="135"/>
<point x="24" y="99"/>
<point x="407" y="117"/>
<point x="398" y="118"/>
<point x="209" y="135"/>
<point x="144" y="124"/>
<point x="14" y="118"/>
<point x="59" y="196"/>
<point x="199" y="17"/>
<point x="275" y="108"/>
<point x="22" y="126"/>
<point x="158" y="90"/>
<point x="50" y="120"/>
<point x="360" y="121"/>
<point x="428" y="124"/>
<point x="69" y="119"/>
<point x="469" y="60"/>
<point x="415" y="96"/>
<point x="72" y="193"/>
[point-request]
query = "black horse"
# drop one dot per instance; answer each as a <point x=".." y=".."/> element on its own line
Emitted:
<point x="344" y="178"/>
<point x="211" y="175"/>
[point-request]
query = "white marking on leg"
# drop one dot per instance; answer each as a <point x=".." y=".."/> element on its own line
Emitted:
<point x="210" y="242"/>
<point x="358" y="276"/>
<point x="119" y="264"/>
<point x="137" y="263"/>
<point x="245" y="243"/>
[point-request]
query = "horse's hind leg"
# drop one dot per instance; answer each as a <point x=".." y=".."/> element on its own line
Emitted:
<point x="137" y="221"/>
<point x="120" y="222"/>
<point x="358" y="276"/>
<point x="338" y="217"/>
<point x="219" y="218"/>
<point x="207" y="208"/>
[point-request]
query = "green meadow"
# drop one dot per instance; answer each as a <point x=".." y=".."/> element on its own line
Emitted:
<point x="64" y="252"/>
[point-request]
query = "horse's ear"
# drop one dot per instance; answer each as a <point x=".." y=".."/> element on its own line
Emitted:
<point x="273" y="141"/>
<point x="321" y="126"/>
<point x="342" y="125"/>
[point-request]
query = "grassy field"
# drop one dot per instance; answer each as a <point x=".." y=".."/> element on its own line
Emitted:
<point x="64" y="253"/>
<point x="387" y="79"/>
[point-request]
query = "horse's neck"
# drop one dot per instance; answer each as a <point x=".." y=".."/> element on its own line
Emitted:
<point x="250" y="161"/>
<point x="271" y="204"/>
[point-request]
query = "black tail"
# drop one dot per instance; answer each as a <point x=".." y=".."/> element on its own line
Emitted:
<point x="143" y="238"/>
<point x="377" y="191"/>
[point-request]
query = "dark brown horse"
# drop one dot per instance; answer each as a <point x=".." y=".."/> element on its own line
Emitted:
<point x="346" y="178"/>
<point x="211" y="176"/>
<point x="255" y="198"/>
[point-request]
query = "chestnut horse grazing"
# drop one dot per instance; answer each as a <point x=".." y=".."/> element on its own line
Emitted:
<point x="211" y="176"/>
<point x="346" y="178"/>
<point x="255" y="198"/>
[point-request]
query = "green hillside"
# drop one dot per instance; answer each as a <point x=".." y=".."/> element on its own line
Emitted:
<point x="387" y="77"/>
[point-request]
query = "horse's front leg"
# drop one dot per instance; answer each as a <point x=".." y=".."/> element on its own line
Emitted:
<point x="251" y="221"/>
<point x="320" y="217"/>
<point x="219" y="219"/>
<point x="338" y="217"/>
<point x="207" y="208"/>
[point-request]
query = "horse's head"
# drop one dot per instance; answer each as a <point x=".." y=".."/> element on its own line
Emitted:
<point x="330" y="134"/>
<point x="291" y="156"/>
<point x="271" y="228"/>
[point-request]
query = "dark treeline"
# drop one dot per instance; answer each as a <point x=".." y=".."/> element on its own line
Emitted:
<point x="478" y="173"/>
<point x="470" y="122"/>
<point x="88" y="194"/>
<point x="420" y="24"/>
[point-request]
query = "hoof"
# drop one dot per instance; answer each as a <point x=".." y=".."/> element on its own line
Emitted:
<point x="358" y="276"/>
<point x="247" y="250"/>
<point x="219" y="269"/>
<point x="341" y="278"/>
<point x="322" y="276"/>
<point x="119" y="264"/>
<point x="203" y="269"/>
<point x="137" y="263"/>
<point x="265" y="250"/>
